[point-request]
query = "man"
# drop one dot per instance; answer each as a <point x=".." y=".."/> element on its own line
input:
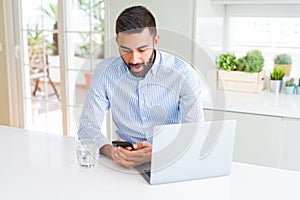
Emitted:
<point x="143" y="87"/>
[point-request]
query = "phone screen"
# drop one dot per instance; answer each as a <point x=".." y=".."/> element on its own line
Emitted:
<point x="123" y="144"/>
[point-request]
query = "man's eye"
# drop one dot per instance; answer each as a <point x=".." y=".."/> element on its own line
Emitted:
<point x="124" y="51"/>
<point x="142" y="50"/>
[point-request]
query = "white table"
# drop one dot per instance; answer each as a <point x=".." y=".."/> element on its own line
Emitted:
<point x="43" y="166"/>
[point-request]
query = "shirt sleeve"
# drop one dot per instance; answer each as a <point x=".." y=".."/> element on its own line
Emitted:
<point x="95" y="107"/>
<point x="190" y="104"/>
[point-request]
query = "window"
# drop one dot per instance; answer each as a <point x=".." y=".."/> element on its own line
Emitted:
<point x="43" y="110"/>
<point x="270" y="35"/>
<point x="62" y="42"/>
<point x="272" y="32"/>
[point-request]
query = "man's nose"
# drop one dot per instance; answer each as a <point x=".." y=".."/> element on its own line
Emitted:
<point x="135" y="56"/>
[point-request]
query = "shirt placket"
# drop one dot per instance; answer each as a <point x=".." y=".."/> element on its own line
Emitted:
<point x="143" y="107"/>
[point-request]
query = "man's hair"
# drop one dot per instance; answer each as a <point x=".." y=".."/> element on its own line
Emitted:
<point x="135" y="19"/>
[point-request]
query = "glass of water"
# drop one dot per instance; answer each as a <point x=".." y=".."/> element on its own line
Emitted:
<point x="86" y="151"/>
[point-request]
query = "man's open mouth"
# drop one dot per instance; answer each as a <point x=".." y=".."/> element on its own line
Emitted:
<point x="135" y="67"/>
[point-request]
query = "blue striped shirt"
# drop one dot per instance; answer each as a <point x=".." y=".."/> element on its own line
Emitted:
<point x="168" y="94"/>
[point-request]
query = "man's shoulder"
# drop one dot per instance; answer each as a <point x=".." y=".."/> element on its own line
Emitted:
<point x="174" y="62"/>
<point x="111" y="61"/>
<point x="110" y="65"/>
<point x="111" y="69"/>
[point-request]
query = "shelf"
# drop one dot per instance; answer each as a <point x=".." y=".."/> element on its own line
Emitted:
<point x="263" y="103"/>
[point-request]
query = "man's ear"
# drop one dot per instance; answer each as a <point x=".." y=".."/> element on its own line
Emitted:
<point x="117" y="40"/>
<point x="155" y="42"/>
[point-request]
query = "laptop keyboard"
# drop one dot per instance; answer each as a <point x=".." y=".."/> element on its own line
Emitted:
<point x="148" y="172"/>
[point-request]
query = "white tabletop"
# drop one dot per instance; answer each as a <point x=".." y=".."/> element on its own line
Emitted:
<point x="43" y="166"/>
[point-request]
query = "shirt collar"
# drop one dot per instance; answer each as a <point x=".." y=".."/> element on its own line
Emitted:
<point x="155" y="65"/>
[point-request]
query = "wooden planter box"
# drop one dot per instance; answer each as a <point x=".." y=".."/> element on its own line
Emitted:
<point x="241" y="81"/>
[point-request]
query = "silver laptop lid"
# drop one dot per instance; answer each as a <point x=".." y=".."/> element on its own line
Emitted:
<point x="192" y="151"/>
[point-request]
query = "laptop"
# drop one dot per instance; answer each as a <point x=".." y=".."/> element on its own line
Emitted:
<point x="191" y="151"/>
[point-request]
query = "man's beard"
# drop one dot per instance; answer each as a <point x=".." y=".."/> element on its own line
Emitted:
<point x="147" y="66"/>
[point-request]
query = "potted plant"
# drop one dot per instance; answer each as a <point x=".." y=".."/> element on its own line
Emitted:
<point x="227" y="61"/>
<point x="244" y="74"/>
<point x="289" y="86"/>
<point x="283" y="61"/>
<point x="297" y="88"/>
<point x="252" y="62"/>
<point x="276" y="79"/>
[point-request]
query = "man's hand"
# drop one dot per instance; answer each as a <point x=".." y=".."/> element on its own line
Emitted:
<point x="140" y="155"/>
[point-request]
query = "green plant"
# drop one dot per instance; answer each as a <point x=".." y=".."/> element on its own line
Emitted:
<point x="299" y="82"/>
<point x="34" y="38"/>
<point x="252" y="62"/>
<point x="282" y="59"/>
<point x="277" y="74"/>
<point x="227" y="61"/>
<point x="241" y="64"/>
<point x="290" y="83"/>
<point x="37" y="39"/>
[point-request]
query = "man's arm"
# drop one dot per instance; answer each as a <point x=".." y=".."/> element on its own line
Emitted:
<point x="94" y="110"/>
<point x="190" y="105"/>
<point x="107" y="150"/>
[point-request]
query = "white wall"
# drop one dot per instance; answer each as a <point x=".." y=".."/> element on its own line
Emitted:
<point x="209" y="35"/>
<point x="208" y="43"/>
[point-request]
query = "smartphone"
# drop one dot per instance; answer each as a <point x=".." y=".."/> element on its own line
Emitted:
<point x="123" y="144"/>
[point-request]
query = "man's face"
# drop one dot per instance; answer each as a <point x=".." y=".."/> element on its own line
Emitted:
<point x="137" y="51"/>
